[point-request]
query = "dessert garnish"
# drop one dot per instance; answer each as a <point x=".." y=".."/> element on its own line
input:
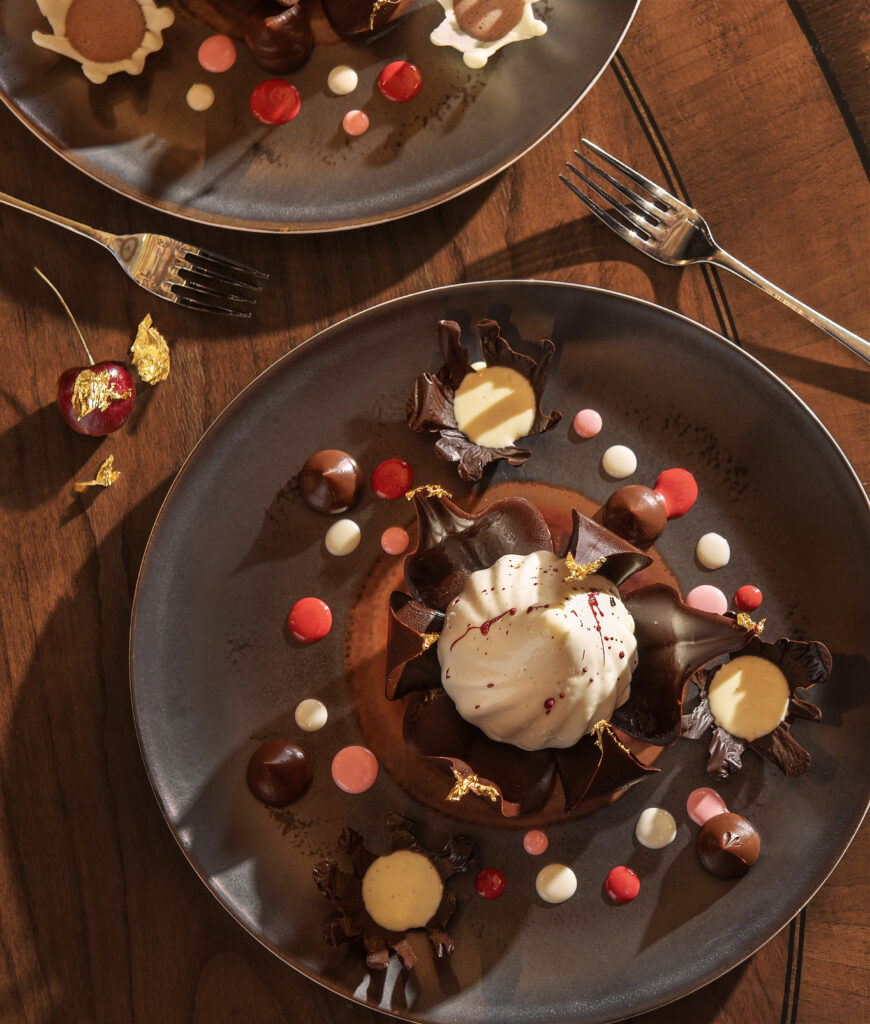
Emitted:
<point x="490" y="883"/>
<point x="708" y="599"/>
<point x="747" y="598"/>
<point x="703" y="804"/>
<point x="104" y="38"/>
<point x="478" y="28"/>
<point x="150" y="353"/>
<point x="752" y="701"/>
<point x="275" y="101"/>
<point x="479" y="414"/>
<point x="466" y="704"/>
<point x="342" y="538"/>
<point x="556" y="883"/>
<point x="713" y="551"/>
<point x="587" y="423"/>
<point x="392" y="478"/>
<point x="679" y="490"/>
<point x="106" y="476"/>
<point x="619" y="461"/>
<point x="278" y="772"/>
<point x="95" y="399"/>
<point x="385" y="897"/>
<point x="279" y="35"/>
<point x="310" y="619"/>
<point x="361" y="17"/>
<point x="535" y="842"/>
<point x="400" y="81"/>
<point x="656" y="828"/>
<point x="331" y="481"/>
<point x="395" y="540"/>
<point x="354" y="769"/>
<point x="728" y="845"/>
<point x="622" y="884"/>
<point x="637" y="513"/>
<point x="311" y="714"/>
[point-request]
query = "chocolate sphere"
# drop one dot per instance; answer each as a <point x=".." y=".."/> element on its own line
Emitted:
<point x="279" y="37"/>
<point x="728" y="845"/>
<point x="331" y="481"/>
<point x="278" y="772"/>
<point x="636" y="513"/>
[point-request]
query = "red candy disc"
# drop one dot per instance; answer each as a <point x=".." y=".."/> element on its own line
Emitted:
<point x="400" y="81"/>
<point x="310" y="619"/>
<point x="275" y="101"/>
<point x="392" y="478"/>
<point x="490" y="883"/>
<point x="679" y="490"/>
<point x="622" y="885"/>
<point x="747" y="598"/>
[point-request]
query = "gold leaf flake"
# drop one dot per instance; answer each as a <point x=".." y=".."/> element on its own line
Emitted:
<point x="428" y="639"/>
<point x="106" y="476"/>
<point x="466" y="784"/>
<point x="744" y="621"/>
<point x="150" y="353"/>
<point x="378" y="6"/>
<point x="431" y="491"/>
<point x="92" y="391"/>
<point x="578" y="572"/>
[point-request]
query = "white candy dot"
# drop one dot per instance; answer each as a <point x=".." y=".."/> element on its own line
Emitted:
<point x="656" y="828"/>
<point x="342" y="537"/>
<point x="713" y="551"/>
<point x="200" y="96"/>
<point x="556" y="883"/>
<point x="619" y="461"/>
<point x="342" y="80"/>
<point x="311" y="715"/>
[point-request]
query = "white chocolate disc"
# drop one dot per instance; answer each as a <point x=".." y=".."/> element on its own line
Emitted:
<point x="748" y="697"/>
<point x="619" y="461"/>
<point x="556" y="883"/>
<point x="311" y="714"/>
<point x="713" y="551"/>
<point x="200" y="96"/>
<point x="342" y="537"/>
<point x="656" y="828"/>
<point x="402" y="890"/>
<point x="342" y="80"/>
<point x="494" y="406"/>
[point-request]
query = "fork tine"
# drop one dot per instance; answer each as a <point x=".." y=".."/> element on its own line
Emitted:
<point x="636" y="177"/>
<point x="212" y="273"/>
<point x="603" y="215"/>
<point x="226" y="263"/>
<point x="639" y="201"/>
<point x="203" y="289"/>
<point x="192" y="303"/>
<point x="631" y="216"/>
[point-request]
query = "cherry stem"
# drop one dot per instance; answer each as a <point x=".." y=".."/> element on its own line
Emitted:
<point x="69" y="314"/>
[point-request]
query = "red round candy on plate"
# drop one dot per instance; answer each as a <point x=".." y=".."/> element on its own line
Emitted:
<point x="679" y="490"/>
<point x="747" y="598"/>
<point x="490" y="883"/>
<point x="310" y="619"/>
<point x="622" y="885"/>
<point x="275" y="101"/>
<point x="392" y="478"/>
<point x="400" y="81"/>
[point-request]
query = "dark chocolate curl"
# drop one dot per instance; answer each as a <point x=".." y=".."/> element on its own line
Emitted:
<point x="412" y="655"/>
<point x="700" y="718"/>
<point x="803" y="664"/>
<point x="726" y="753"/>
<point x="453" y="544"/>
<point x="590" y="541"/>
<point x="673" y="642"/>
<point x="472" y="459"/>
<point x="783" y="750"/>
<point x="597" y="766"/>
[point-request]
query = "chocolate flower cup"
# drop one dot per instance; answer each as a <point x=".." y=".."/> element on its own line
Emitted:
<point x="430" y="406"/>
<point x="345" y="891"/>
<point x="673" y="642"/>
<point x="803" y="665"/>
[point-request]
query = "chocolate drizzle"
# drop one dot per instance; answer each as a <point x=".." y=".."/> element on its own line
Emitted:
<point x="430" y="406"/>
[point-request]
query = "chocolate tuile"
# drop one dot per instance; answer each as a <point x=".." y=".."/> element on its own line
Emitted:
<point x="412" y="658"/>
<point x="597" y="766"/>
<point x="590" y="541"/>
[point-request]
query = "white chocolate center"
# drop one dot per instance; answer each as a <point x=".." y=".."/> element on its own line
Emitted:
<point x="748" y="697"/>
<point x="402" y="890"/>
<point x="494" y="406"/>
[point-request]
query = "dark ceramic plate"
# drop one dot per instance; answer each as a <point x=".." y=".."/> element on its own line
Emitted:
<point x="138" y="136"/>
<point x="214" y="672"/>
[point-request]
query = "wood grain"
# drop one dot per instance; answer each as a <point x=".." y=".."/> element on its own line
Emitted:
<point x="101" y="918"/>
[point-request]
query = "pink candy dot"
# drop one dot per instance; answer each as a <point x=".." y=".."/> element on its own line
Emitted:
<point x="703" y="804"/>
<point x="707" y="599"/>
<point x="354" y="769"/>
<point x="355" y="122"/>
<point x="535" y="842"/>
<point x="747" y="598"/>
<point x="217" y="53"/>
<point x="275" y="101"/>
<point x="310" y="619"/>
<point x="587" y="423"/>
<point x="394" y="540"/>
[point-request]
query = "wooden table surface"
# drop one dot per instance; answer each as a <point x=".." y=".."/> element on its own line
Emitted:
<point x="757" y="111"/>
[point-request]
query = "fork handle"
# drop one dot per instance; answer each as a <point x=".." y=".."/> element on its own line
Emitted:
<point x="858" y="345"/>
<point x="72" y="225"/>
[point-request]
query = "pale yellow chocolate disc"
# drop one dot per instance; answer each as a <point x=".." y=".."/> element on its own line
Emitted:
<point x="748" y="697"/>
<point x="494" y="406"/>
<point x="402" y="890"/>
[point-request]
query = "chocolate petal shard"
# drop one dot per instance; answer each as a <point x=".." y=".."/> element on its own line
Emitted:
<point x="412" y="654"/>
<point x="472" y="459"/>
<point x="590" y="541"/>
<point x="457" y="361"/>
<point x="700" y="718"/>
<point x="726" y="753"/>
<point x="430" y="405"/>
<point x="525" y="778"/>
<point x="803" y="664"/>
<point x="453" y="544"/>
<point x="432" y="727"/>
<point x="783" y="750"/>
<point x="597" y="766"/>
<point x="673" y="642"/>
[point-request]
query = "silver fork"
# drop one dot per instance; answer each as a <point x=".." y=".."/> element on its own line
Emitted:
<point x="673" y="233"/>
<point x="177" y="272"/>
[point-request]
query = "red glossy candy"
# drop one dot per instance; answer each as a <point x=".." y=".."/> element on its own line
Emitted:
<point x="392" y="478"/>
<point x="400" y="81"/>
<point x="310" y="619"/>
<point x="275" y="101"/>
<point x="747" y="598"/>
<point x="622" y="885"/>
<point x="679" y="489"/>
<point x="490" y="883"/>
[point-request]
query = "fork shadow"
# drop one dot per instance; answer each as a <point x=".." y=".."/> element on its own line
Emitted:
<point x="841" y="380"/>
